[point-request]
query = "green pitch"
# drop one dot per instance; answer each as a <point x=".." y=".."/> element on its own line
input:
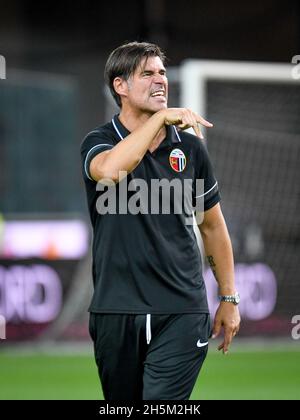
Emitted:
<point x="253" y="374"/>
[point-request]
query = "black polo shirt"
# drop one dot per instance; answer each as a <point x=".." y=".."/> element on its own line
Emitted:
<point x="148" y="263"/>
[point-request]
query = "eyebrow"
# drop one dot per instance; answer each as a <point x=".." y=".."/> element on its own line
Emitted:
<point x="145" y="70"/>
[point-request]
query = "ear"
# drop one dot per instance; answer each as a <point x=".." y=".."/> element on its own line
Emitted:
<point x="120" y="86"/>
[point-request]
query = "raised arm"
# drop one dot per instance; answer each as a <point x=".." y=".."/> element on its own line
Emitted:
<point x="127" y="154"/>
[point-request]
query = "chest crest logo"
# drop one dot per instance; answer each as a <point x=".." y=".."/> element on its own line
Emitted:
<point x="177" y="160"/>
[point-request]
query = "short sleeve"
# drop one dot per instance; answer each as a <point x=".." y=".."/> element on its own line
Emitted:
<point x="93" y="144"/>
<point x="206" y="192"/>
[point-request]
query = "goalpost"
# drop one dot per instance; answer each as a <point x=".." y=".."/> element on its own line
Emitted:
<point x="194" y="75"/>
<point x="255" y="149"/>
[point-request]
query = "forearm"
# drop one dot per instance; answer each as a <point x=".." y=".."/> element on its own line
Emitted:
<point x="219" y="254"/>
<point x="128" y="153"/>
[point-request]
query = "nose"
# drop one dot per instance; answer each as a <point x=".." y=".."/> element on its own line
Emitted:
<point x="159" y="78"/>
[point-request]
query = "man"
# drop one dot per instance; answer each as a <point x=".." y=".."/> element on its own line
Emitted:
<point x="149" y="317"/>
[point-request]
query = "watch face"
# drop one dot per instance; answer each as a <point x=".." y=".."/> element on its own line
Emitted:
<point x="237" y="298"/>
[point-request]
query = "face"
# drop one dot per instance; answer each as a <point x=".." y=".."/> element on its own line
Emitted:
<point x="147" y="88"/>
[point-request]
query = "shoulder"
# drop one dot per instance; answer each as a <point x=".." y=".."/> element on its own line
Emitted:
<point x="101" y="133"/>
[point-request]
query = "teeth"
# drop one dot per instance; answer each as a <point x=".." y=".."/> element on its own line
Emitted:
<point x="158" y="93"/>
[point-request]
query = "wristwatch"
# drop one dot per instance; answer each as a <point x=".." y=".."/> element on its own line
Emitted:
<point x="235" y="299"/>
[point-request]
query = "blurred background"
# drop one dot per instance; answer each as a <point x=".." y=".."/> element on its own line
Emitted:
<point x="52" y="93"/>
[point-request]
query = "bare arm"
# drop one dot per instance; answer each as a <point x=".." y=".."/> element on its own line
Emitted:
<point x="219" y="253"/>
<point x="127" y="154"/>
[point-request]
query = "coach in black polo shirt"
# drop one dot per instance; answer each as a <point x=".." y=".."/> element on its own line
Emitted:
<point x="149" y="315"/>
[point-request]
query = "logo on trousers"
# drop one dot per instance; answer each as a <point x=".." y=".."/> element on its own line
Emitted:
<point x="199" y="344"/>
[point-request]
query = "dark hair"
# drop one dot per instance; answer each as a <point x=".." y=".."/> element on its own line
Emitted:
<point x="124" y="60"/>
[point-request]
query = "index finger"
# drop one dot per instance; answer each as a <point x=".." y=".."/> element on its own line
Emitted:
<point x="227" y="340"/>
<point x="204" y="122"/>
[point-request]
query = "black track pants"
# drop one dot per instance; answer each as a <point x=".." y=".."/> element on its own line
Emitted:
<point x="149" y="357"/>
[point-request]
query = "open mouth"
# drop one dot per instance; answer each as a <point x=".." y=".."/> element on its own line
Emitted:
<point x="158" y="93"/>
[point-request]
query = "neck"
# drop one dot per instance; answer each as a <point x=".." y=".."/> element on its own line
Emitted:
<point x="132" y="121"/>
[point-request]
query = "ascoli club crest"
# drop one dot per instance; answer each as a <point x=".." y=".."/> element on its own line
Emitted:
<point x="177" y="160"/>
